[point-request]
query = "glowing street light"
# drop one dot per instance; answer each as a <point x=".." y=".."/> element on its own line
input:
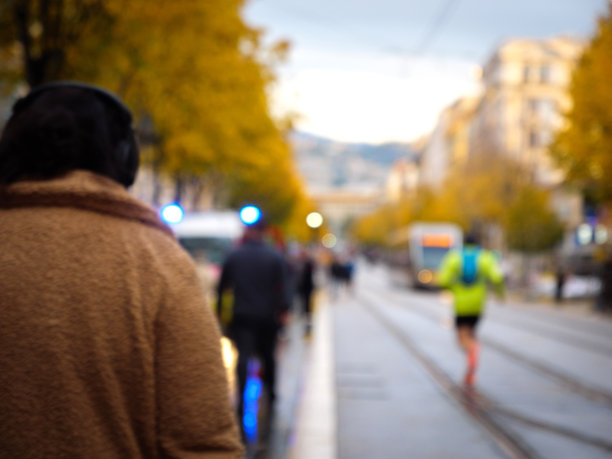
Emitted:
<point x="314" y="220"/>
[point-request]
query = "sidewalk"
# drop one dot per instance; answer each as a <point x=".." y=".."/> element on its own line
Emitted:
<point x="315" y="426"/>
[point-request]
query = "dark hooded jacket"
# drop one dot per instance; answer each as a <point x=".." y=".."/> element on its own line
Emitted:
<point x="256" y="273"/>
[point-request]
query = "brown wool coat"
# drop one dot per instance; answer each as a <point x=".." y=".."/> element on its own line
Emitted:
<point x="107" y="348"/>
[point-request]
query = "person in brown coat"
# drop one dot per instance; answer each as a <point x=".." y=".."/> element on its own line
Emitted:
<point x="107" y="346"/>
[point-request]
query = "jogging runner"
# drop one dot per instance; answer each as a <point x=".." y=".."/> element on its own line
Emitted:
<point x="467" y="273"/>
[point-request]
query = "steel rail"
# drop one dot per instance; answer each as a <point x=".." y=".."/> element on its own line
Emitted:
<point x="508" y="442"/>
<point x="480" y="402"/>
<point x="587" y="391"/>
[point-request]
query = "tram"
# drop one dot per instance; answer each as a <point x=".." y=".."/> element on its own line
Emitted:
<point x="418" y="250"/>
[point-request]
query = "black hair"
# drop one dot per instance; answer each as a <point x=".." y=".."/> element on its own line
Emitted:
<point x="471" y="238"/>
<point x="261" y="224"/>
<point x="61" y="127"/>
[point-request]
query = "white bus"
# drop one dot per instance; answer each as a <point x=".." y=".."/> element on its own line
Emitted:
<point x="208" y="237"/>
<point x="419" y="249"/>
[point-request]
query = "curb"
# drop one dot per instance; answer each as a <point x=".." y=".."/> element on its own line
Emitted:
<point x="315" y="432"/>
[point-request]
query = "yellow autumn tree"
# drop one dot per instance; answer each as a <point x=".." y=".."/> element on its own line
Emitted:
<point x="38" y="36"/>
<point x="584" y="147"/>
<point x="479" y="193"/>
<point x="378" y="227"/>
<point x="529" y="223"/>
<point x="194" y="74"/>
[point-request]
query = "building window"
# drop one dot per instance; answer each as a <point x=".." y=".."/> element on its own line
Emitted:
<point x="545" y="74"/>
<point x="533" y="139"/>
<point x="547" y="111"/>
<point x="526" y="74"/>
<point x="546" y="137"/>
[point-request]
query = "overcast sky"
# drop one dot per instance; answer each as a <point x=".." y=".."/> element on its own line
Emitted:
<point x="382" y="70"/>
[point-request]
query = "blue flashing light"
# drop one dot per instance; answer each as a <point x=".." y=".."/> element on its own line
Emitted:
<point x="172" y="213"/>
<point x="252" y="391"/>
<point x="250" y="423"/>
<point x="250" y="215"/>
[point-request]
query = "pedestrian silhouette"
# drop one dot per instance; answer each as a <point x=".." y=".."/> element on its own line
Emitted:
<point x="256" y="275"/>
<point x="107" y="346"/>
<point x="560" y="276"/>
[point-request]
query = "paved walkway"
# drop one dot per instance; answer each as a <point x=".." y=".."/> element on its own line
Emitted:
<point x="315" y="433"/>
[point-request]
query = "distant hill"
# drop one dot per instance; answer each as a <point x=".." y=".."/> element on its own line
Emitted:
<point x="327" y="163"/>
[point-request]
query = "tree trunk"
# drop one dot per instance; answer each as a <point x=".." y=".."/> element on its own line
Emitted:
<point x="179" y="188"/>
<point x="22" y="16"/>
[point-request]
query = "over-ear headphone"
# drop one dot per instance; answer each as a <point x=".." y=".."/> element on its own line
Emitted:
<point x="126" y="150"/>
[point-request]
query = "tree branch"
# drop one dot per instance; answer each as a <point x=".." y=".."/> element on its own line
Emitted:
<point x="23" y="36"/>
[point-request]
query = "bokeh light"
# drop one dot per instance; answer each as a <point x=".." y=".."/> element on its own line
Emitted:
<point x="329" y="241"/>
<point x="172" y="213"/>
<point x="250" y="215"/>
<point x="314" y="219"/>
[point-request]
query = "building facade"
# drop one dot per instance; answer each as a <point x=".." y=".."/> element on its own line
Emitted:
<point x="449" y="144"/>
<point x="525" y="93"/>
<point x="340" y="206"/>
<point x="402" y="180"/>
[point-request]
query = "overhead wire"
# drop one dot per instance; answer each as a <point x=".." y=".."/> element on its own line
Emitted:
<point x="435" y="27"/>
<point x="323" y="22"/>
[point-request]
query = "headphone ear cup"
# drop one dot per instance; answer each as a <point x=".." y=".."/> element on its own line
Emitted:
<point x="127" y="155"/>
<point x="122" y="152"/>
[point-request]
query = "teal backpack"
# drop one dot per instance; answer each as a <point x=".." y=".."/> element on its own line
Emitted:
<point x="469" y="265"/>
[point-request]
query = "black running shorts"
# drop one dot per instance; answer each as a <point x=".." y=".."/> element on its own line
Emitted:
<point x="466" y="321"/>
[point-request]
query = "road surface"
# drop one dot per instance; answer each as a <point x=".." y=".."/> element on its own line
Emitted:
<point x="544" y="387"/>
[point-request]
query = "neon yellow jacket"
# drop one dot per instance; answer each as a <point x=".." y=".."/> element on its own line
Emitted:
<point x="470" y="299"/>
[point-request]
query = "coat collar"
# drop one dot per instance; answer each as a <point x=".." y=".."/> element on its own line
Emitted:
<point x="82" y="190"/>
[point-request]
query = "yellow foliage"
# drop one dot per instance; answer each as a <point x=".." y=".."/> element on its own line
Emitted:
<point x="195" y="71"/>
<point x="530" y="224"/>
<point x="584" y="147"/>
<point x="480" y="192"/>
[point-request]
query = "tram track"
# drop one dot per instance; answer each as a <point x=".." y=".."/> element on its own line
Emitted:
<point x="508" y="442"/>
<point x="557" y="328"/>
<point x="556" y="332"/>
<point x="539" y="316"/>
<point x="567" y="381"/>
<point x="561" y="336"/>
<point x="483" y="409"/>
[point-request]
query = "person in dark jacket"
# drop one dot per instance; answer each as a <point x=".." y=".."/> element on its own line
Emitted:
<point x="604" y="299"/>
<point x="560" y="278"/>
<point x="306" y="285"/>
<point x="256" y="275"/>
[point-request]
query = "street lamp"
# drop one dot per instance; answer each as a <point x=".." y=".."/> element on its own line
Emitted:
<point x="314" y="220"/>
